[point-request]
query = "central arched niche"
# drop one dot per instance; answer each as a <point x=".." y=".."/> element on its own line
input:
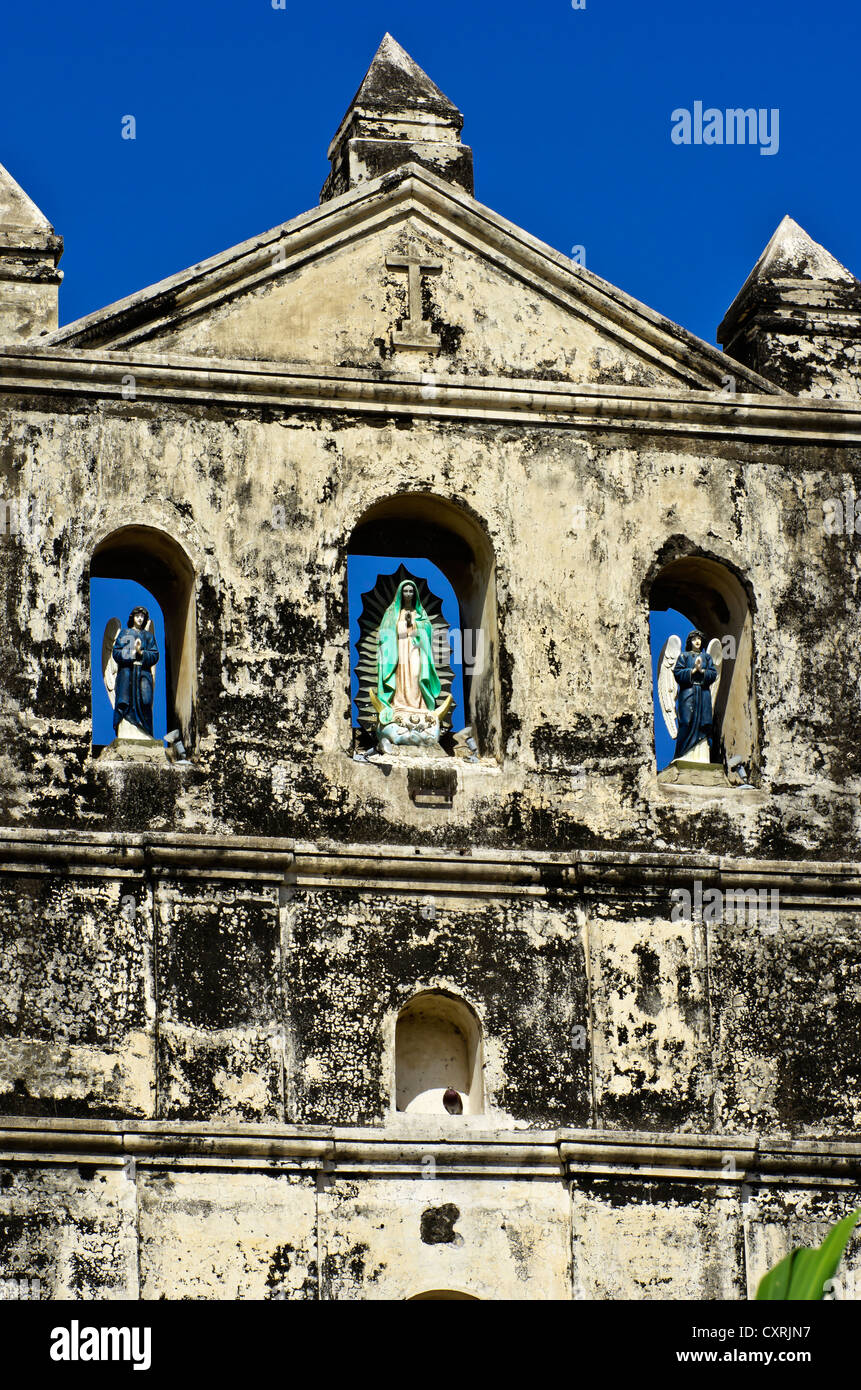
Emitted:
<point x="161" y="565"/>
<point x="420" y="524"/>
<point x="714" y="599"/>
<point x="437" y="1048"/>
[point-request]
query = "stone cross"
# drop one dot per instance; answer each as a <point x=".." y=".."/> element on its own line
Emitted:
<point x="416" y="332"/>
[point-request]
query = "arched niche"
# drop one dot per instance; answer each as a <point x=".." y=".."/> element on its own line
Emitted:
<point x="437" y="1047"/>
<point x="161" y="565"/>
<point x="713" y="598"/>
<point x="419" y="524"/>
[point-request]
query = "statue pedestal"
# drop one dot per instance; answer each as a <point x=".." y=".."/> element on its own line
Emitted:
<point x="132" y="745"/>
<point x="408" y="752"/>
<point x="128" y="751"/>
<point x="685" y="772"/>
<point x="130" y="733"/>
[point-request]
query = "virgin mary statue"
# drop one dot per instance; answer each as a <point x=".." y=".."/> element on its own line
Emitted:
<point x="407" y="680"/>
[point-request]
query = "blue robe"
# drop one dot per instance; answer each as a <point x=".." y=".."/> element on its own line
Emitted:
<point x="694" y="700"/>
<point x="134" y="686"/>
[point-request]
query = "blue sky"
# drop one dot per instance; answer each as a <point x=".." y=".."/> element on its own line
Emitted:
<point x="568" y="111"/>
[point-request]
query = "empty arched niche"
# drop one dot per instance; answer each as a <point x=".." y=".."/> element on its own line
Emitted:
<point x="711" y="598"/>
<point x="418" y="525"/>
<point x="158" y="563"/>
<point x="438" y="1053"/>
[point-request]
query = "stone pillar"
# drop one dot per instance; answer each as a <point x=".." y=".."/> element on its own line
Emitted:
<point x="29" y="278"/>
<point x="398" y="116"/>
<point x="797" y="319"/>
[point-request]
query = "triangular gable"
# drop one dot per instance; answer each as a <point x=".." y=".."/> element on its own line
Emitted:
<point x="323" y="289"/>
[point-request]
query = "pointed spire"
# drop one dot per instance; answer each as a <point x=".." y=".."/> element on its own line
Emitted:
<point x="398" y="116"/>
<point x="16" y="209"/>
<point x="394" y="77"/>
<point x="29" y="253"/>
<point x="797" y="318"/>
<point x="791" y="253"/>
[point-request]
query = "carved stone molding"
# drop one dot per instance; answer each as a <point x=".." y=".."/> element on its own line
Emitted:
<point x="729" y="1160"/>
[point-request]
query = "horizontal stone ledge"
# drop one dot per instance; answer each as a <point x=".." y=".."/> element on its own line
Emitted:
<point x="729" y="1159"/>
<point x="365" y="1168"/>
<point x="428" y="871"/>
<point x="726" y="1162"/>
<point x="23" y="242"/>
<point x="419" y="886"/>
<point x="296" y="387"/>
<point x="396" y="868"/>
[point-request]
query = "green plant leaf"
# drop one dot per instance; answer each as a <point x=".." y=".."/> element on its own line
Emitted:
<point x="803" y="1274"/>
<point x="810" y="1274"/>
<point x="775" y="1284"/>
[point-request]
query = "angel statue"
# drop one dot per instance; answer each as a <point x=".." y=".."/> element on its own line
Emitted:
<point x="128" y="657"/>
<point x="408" y="683"/>
<point x="688" y="683"/>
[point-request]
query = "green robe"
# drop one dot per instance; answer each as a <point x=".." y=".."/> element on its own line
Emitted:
<point x="387" y="653"/>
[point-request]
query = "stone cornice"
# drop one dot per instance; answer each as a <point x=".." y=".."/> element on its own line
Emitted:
<point x="104" y="375"/>
<point x="726" y="1160"/>
<point x="31" y="239"/>
<point x="409" y="870"/>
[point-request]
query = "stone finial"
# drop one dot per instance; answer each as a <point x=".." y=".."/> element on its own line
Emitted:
<point x="29" y="253"/>
<point x="397" y="117"/>
<point x="797" y="318"/>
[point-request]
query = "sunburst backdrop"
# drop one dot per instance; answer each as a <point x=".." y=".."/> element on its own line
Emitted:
<point x="372" y="582"/>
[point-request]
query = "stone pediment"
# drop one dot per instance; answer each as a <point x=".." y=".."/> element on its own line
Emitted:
<point x="406" y="273"/>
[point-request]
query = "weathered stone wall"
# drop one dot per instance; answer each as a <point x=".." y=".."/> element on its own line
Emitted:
<point x="300" y="1228"/>
<point x="194" y="998"/>
<point x="578" y="523"/>
<point x="137" y="989"/>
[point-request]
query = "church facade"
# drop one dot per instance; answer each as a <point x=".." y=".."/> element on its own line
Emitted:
<point x="294" y="1007"/>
